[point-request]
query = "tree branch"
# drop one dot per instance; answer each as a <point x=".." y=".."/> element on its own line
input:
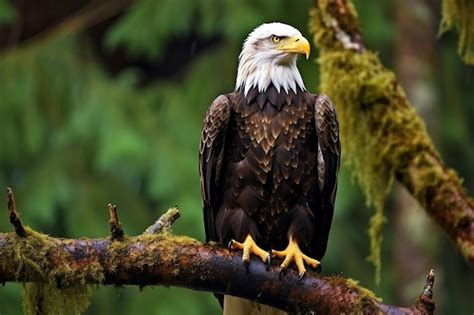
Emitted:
<point x="14" y="217"/>
<point x="180" y="261"/>
<point x="385" y="117"/>
<point x="90" y="15"/>
<point x="116" y="230"/>
<point x="164" y="223"/>
<point x="158" y="258"/>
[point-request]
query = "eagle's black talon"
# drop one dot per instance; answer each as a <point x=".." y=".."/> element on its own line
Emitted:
<point x="319" y="268"/>
<point x="268" y="261"/>
<point x="301" y="275"/>
<point x="282" y="272"/>
<point x="229" y="246"/>
<point x="246" y="264"/>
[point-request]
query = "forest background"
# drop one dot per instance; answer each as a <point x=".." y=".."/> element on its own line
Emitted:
<point x="111" y="111"/>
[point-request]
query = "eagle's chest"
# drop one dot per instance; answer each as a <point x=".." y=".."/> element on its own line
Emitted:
<point x="271" y="153"/>
<point x="269" y="130"/>
<point x="270" y="127"/>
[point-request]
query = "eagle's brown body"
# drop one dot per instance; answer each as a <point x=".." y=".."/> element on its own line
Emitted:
<point x="268" y="166"/>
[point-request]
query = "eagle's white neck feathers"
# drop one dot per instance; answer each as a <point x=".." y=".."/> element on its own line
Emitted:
<point x="260" y="64"/>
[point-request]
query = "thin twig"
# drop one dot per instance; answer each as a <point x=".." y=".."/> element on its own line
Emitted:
<point x="164" y="222"/>
<point x="425" y="302"/>
<point x="116" y="230"/>
<point x="14" y="217"/>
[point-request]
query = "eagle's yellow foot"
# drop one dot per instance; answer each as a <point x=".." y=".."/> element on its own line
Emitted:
<point x="293" y="253"/>
<point x="249" y="247"/>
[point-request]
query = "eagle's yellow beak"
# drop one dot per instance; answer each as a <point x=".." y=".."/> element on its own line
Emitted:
<point x="295" y="44"/>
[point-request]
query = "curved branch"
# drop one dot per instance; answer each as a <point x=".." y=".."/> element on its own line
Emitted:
<point x="408" y="153"/>
<point x="163" y="259"/>
<point x="158" y="258"/>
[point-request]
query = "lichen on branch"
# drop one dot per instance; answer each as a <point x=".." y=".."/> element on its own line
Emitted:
<point x="47" y="298"/>
<point x="72" y="268"/>
<point x="53" y="289"/>
<point x="460" y="15"/>
<point x="382" y="136"/>
<point x="61" y="274"/>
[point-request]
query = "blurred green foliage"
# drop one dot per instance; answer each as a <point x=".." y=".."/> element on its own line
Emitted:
<point x="7" y="12"/>
<point x="74" y="138"/>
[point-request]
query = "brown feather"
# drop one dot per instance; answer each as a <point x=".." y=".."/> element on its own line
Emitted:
<point x="277" y="157"/>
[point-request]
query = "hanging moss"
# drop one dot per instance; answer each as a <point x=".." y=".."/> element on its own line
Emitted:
<point x="460" y="14"/>
<point x="47" y="298"/>
<point x="379" y="129"/>
<point x="62" y="289"/>
<point x="31" y="252"/>
<point x="57" y="291"/>
<point x="375" y="233"/>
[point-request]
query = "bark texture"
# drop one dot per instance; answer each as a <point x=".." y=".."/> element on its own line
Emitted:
<point x="158" y="258"/>
<point x="376" y="113"/>
<point x="163" y="259"/>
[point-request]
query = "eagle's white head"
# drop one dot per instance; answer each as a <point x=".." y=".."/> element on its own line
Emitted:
<point x="269" y="56"/>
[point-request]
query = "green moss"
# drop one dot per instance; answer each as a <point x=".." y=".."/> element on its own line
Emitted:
<point x="47" y="298"/>
<point x="184" y="240"/>
<point x="466" y="247"/>
<point x="380" y="131"/>
<point x="136" y="245"/>
<point x="364" y="293"/>
<point x="30" y="253"/>
<point x="460" y="14"/>
<point x="363" y="300"/>
<point x="375" y="233"/>
<point x="57" y="291"/>
<point x="64" y="289"/>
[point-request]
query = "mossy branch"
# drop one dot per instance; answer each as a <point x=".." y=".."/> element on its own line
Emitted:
<point x="382" y="136"/>
<point x="460" y="15"/>
<point x="163" y="224"/>
<point x="68" y="267"/>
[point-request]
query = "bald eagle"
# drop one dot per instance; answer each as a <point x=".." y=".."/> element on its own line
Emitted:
<point x="269" y="157"/>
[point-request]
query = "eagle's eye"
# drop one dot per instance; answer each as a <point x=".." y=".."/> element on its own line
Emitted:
<point x="275" y="39"/>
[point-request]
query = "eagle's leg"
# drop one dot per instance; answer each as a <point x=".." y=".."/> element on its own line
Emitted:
<point x="293" y="253"/>
<point x="249" y="247"/>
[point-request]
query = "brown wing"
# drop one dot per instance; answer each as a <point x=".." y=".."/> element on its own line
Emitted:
<point x="329" y="156"/>
<point x="211" y="152"/>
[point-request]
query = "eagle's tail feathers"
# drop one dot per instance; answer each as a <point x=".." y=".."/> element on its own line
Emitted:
<point x="238" y="306"/>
